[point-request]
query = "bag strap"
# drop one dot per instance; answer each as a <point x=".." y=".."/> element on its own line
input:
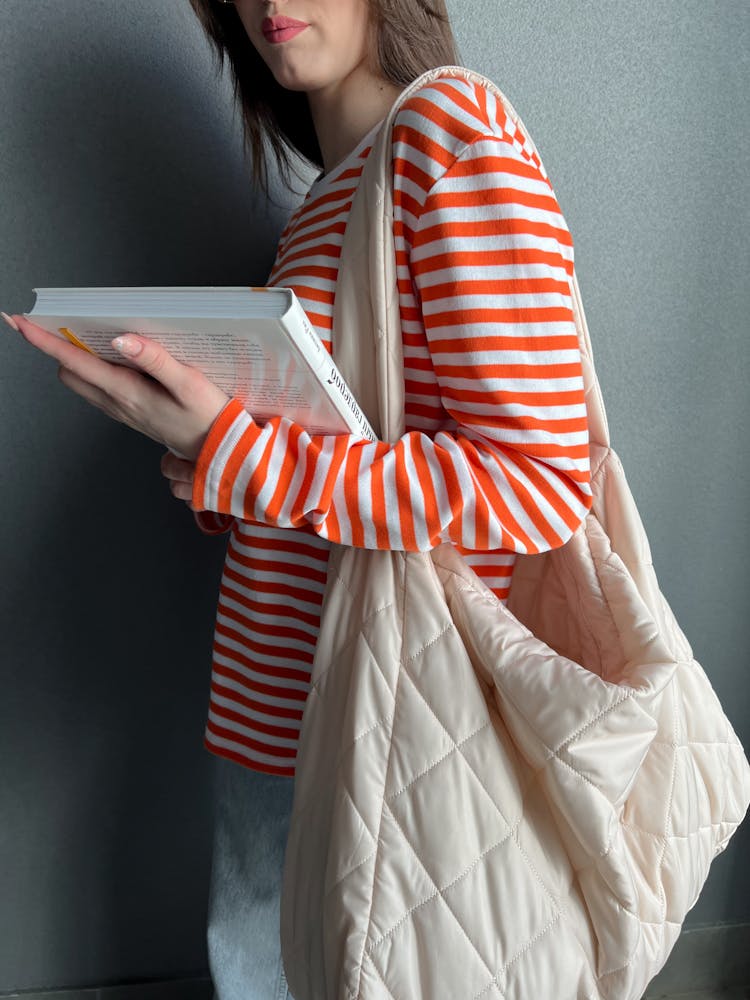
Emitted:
<point x="369" y="247"/>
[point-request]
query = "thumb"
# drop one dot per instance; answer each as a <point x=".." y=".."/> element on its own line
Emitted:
<point x="153" y="359"/>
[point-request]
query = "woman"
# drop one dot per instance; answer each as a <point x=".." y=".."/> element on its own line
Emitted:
<point x="495" y="454"/>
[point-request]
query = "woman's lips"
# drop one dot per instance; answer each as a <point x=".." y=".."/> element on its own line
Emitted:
<point x="281" y="29"/>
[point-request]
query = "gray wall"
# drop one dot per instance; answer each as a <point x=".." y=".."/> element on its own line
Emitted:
<point x="121" y="164"/>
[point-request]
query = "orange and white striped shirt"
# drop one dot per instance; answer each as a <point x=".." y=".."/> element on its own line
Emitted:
<point x="495" y="454"/>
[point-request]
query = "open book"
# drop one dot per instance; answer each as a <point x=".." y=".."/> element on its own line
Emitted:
<point x="254" y="343"/>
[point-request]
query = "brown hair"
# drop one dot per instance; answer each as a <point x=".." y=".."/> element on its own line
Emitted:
<point x="412" y="36"/>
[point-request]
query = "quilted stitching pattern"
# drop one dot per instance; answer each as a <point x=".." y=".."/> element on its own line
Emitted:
<point x="426" y="876"/>
<point x="498" y="803"/>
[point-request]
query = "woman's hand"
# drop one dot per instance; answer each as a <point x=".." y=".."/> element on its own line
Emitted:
<point x="176" y="410"/>
<point x="180" y="474"/>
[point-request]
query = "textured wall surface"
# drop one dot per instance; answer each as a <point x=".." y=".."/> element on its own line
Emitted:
<point x="121" y="164"/>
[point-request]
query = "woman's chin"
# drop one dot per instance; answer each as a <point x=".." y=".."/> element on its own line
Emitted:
<point x="292" y="84"/>
<point x="291" y="74"/>
<point x="290" y="80"/>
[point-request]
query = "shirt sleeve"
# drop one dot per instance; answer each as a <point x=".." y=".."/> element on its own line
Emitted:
<point x="489" y="257"/>
<point x="212" y="523"/>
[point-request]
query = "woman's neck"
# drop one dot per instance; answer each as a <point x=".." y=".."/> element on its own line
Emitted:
<point x="343" y="114"/>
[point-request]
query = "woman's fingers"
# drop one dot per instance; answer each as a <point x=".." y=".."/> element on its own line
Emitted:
<point x="179" y="469"/>
<point x="151" y="358"/>
<point x="180" y="474"/>
<point x="87" y="366"/>
<point x="183" y="491"/>
<point x="167" y="401"/>
<point x="122" y="410"/>
<point x="85" y="389"/>
<point x="114" y="389"/>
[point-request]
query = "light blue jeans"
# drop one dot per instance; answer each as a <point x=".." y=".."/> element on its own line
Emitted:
<point x="251" y="823"/>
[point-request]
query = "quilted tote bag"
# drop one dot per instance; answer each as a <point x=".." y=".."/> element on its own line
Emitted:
<point x="495" y="802"/>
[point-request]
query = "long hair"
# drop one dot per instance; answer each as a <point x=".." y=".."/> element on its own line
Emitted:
<point x="411" y="36"/>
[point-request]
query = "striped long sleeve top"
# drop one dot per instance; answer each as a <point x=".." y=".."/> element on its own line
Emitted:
<point x="494" y="458"/>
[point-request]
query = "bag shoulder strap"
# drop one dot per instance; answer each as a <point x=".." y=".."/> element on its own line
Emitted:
<point x="369" y="247"/>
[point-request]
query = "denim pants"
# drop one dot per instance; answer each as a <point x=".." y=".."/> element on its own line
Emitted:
<point x="251" y="823"/>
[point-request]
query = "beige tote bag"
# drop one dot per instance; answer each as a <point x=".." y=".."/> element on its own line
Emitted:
<point x="491" y="802"/>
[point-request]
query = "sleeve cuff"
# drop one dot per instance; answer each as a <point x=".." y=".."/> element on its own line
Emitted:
<point x="211" y="487"/>
<point x="211" y="523"/>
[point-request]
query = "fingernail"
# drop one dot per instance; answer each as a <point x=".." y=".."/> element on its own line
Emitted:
<point x="11" y="322"/>
<point x="127" y="346"/>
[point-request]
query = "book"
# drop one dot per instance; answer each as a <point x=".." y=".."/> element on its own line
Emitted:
<point x="255" y="343"/>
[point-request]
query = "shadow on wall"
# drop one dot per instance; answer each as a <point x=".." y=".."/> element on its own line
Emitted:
<point x="108" y="590"/>
<point x="153" y="188"/>
<point x="110" y="596"/>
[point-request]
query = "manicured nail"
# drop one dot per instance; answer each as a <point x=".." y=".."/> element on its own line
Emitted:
<point x="127" y="346"/>
<point x="11" y="322"/>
